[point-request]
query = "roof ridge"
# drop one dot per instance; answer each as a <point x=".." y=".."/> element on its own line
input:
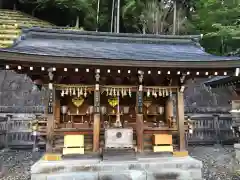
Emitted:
<point x="60" y="30"/>
<point x="47" y="33"/>
<point x="43" y="35"/>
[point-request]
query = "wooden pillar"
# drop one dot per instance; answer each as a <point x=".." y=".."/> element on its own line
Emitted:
<point x="50" y="114"/>
<point x="96" y="132"/>
<point x="96" y="118"/>
<point x="139" y="115"/>
<point x="169" y="108"/>
<point x="57" y="110"/>
<point x="139" y="131"/>
<point x="180" y="119"/>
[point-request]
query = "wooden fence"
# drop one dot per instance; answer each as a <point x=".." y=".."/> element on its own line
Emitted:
<point x="17" y="131"/>
<point x="211" y="129"/>
<point x="3" y="132"/>
<point x="15" y="127"/>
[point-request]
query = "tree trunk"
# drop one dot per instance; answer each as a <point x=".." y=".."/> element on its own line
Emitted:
<point x="1" y="4"/>
<point x="112" y="17"/>
<point x="144" y="29"/>
<point x="77" y="22"/>
<point x="98" y="9"/>
<point x="174" y="18"/>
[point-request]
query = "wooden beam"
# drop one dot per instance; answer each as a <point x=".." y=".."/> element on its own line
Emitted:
<point x="180" y="121"/>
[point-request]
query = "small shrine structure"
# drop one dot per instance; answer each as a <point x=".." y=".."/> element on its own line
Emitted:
<point x="233" y="81"/>
<point x="98" y="81"/>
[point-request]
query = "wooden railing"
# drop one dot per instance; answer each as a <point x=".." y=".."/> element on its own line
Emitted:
<point x="207" y="128"/>
<point x="3" y="132"/>
<point x="211" y="129"/>
<point x="22" y="109"/>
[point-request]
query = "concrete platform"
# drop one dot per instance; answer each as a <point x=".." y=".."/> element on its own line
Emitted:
<point x="144" y="168"/>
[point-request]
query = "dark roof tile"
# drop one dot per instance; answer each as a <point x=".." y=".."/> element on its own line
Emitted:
<point x="56" y="42"/>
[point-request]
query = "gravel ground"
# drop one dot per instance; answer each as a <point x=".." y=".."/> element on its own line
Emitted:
<point x="218" y="162"/>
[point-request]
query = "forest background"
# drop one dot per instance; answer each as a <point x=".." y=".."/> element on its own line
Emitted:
<point x="217" y="20"/>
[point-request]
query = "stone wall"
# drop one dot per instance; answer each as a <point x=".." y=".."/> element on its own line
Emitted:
<point x="16" y="90"/>
<point x="199" y="98"/>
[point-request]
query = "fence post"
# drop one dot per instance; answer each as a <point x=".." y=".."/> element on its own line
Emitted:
<point x="9" y="117"/>
<point x="217" y="128"/>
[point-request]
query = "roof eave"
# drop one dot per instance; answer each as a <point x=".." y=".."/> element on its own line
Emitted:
<point x="229" y="80"/>
<point x="46" y="59"/>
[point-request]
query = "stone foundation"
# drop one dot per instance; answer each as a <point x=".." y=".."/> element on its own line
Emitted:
<point x="237" y="151"/>
<point x="158" y="168"/>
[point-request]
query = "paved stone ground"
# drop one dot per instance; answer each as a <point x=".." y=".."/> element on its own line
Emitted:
<point x="218" y="163"/>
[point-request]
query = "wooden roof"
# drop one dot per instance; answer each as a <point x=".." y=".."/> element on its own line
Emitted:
<point x="223" y="81"/>
<point x="57" y="46"/>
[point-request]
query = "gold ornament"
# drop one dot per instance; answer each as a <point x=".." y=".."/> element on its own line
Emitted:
<point x="113" y="101"/>
<point x="78" y="101"/>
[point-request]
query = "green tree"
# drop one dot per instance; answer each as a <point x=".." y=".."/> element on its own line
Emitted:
<point x="37" y="4"/>
<point x="219" y="21"/>
<point x="84" y="12"/>
<point x="154" y="16"/>
<point x="104" y="14"/>
<point x="75" y="8"/>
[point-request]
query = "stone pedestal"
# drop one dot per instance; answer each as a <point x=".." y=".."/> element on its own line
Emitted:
<point x="154" y="168"/>
<point x="1" y="170"/>
<point x="237" y="151"/>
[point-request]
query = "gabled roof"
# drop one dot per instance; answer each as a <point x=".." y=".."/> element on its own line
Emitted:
<point x="222" y="81"/>
<point x="110" y="46"/>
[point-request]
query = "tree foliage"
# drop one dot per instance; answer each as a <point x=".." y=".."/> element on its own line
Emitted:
<point x="217" y="20"/>
<point x="154" y="16"/>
